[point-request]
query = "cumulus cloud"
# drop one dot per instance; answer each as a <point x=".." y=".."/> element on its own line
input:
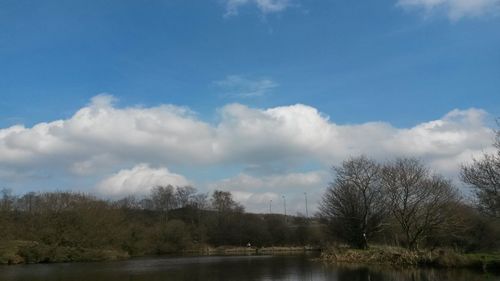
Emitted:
<point x="297" y="132"/>
<point x="240" y="86"/>
<point x="265" y="6"/>
<point x="101" y="138"/>
<point x="139" y="180"/>
<point x="455" y="9"/>
<point x="103" y="133"/>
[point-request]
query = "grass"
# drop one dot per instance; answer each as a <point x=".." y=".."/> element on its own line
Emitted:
<point x="395" y="256"/>
<point x="17" y="252"/>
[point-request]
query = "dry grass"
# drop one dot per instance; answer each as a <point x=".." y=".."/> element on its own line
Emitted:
<point x="395" y="256"/>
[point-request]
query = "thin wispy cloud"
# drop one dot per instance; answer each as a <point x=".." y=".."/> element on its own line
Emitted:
<point x="264" y="6"/>
<point x="241" y="86"/>
<point x="454" y="9"/>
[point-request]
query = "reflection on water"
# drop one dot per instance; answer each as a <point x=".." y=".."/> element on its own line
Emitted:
<point x="373" y="273"/>
<point x="226" y="268"/>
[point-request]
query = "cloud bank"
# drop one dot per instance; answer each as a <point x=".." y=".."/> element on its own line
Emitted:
<point x="128" y="149"/>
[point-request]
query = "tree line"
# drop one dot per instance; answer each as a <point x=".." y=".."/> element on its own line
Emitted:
<point x="401" y="202"/>
<point x="169" y="220"/>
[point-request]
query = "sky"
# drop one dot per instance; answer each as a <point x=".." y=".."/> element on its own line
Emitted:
<point x="257" y="97"/>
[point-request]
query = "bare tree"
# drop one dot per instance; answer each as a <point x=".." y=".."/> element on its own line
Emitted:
<point x="129" y="202"/>
<point x="163" y="199"/>
<point x="229" y="215"/>
<point x="184" y="195"/>
<point x="223" y="202"/>
<point x="484" y="176"/>
<point x="354" y="203"/>
<point x="199" y="201"/>
<point x="7" y="200"/>
<point x="419" y="201"/>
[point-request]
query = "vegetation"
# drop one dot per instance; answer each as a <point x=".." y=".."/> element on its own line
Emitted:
<point x="420" y="203"/>
<point x="66" y="226"/>
<point x="484" y="176"/>
<point x="15" y="252"/>
<point x="396" y="256"/>
<point x="418" y="217"/>
<point x="354" y="203"/>
<point x="401" y="203"/>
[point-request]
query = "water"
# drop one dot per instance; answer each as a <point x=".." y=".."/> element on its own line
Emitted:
<point x="225" y="268"/>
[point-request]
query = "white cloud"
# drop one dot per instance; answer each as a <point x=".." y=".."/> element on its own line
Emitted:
<point x="99" y="131"/>
<point x="101" y="138"/>
<point x="301" y="132"/>
<point x="139" y="180"/>
<point x="265" y="6"/>
<point x="102" y="133"/>
<point x="240" y="86"/>
<point x="455" y="9"/>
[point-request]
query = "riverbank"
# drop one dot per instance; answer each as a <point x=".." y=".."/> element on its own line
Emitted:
<point x="231" y="250"/>
<point x="21" y="252"/>
<point x="399" y="257"/>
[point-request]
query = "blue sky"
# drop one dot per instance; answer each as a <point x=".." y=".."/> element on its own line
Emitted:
<point x="401" y="63"/>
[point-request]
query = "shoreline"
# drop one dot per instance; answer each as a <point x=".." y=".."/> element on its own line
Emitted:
<point x="30" y="252"/>
<point x="403" y="258"/>
<point x="235" y="250"/>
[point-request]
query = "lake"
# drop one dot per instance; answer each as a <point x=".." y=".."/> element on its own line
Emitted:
<point x="212" y="268"/>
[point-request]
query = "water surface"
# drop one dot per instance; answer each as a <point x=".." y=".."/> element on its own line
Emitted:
<point x="255" y="268"/>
